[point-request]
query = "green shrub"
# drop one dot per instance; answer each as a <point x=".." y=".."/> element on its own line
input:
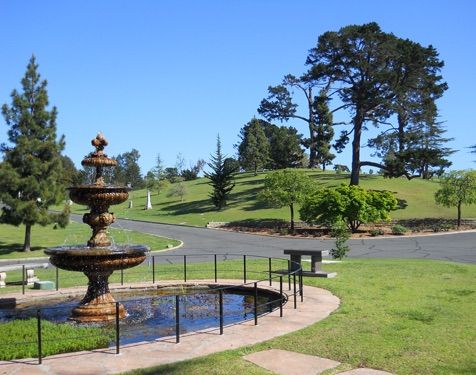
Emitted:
<point x="376" y="232"/>
<point x="399" y="229"/>
<point x="341" y="233"/>
<point x="351" y="204"/>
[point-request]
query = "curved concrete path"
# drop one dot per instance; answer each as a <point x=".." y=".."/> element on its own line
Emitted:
<point x="318" y="304"/>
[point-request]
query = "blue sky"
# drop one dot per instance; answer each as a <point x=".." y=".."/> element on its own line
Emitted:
<point x="168" y="76"/>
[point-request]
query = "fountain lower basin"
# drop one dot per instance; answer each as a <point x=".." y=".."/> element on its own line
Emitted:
<point x="97" y="263"/>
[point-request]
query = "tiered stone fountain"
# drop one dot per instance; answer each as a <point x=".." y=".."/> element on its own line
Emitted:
<point x="99" y="258"/>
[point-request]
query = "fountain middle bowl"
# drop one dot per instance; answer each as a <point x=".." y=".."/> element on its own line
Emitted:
<point x="90" y="195"/>
<point x="85" y="258"/>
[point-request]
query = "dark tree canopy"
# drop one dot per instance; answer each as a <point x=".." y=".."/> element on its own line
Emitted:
<point x="221" y="178"/>
<point x="376" y="76"/>
<point x="127" y="171"/>
<point x="253" y="150"/>
<point x="31" y="174"/>
<point x="284" y="146"/>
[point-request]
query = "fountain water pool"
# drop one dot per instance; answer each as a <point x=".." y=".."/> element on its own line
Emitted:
<point x="151" y="312"/>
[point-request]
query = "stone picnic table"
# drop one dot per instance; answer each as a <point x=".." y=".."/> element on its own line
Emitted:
<point x="316" y="262"/>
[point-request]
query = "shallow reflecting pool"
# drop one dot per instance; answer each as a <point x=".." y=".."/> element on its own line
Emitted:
<point x="151" y="312"/>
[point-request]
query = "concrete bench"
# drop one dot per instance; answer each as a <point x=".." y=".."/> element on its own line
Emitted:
<point x="29" y="270"/>
<point x="316" y="262"/>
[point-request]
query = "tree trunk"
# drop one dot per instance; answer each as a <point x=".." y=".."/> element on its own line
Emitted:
<point x="291" y="207"/>
<point x="312" y="137"/>
<point x="355" y="173"/>
<point x="27" y="243"/>
<point x="323" y="167"/>
<point x="459" y="215"/>
<point x="402" y="122"/>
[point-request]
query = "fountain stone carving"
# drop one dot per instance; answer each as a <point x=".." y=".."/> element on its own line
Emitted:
<point x="99" y="258"/>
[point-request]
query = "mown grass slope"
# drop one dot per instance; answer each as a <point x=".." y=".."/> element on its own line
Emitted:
<point x="416" y="199"/>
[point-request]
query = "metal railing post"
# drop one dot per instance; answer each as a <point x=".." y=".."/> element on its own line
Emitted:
<point x="153" y="269"/>
<point x="301" y="285"/>
<point x="289" y="275"/>
<point x="281" y="295"/>
<point x="256" y="303"/>
<point x="118" y="343"/>
<point x="177" y="320"/>
<point x="57" y="278"/>
<point x="38" y="323"/>
<point x="220" y="302"/>
<point x="244" y="269"/>
<point x="269" y="270"/>
<point x="216" y="270"/>
<point x="23" y="279"/>
<point x="185" y="268"/>
<point x="295" y="293"/>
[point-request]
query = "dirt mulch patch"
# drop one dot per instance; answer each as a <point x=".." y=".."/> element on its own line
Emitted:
<point x="302" y="230"/>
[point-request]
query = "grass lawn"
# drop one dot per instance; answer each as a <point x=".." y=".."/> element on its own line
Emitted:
<point x="11" y="239"/>
<point x="56" y="338"/>
<point x="416" y="197"/>
<point x="403" y="316"/>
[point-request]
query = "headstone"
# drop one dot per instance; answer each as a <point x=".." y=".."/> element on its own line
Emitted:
<point x="30" y="277"/>
<point x="130" y="204"/>
<point x="148" y="205"/>
<point x="3" y="277"/>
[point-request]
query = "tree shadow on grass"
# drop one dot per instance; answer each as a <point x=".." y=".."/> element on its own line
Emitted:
<point x="8" y="248"/>
<point x="180" y="208"/>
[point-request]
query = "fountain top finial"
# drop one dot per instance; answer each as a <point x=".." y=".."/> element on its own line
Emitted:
<point x="99" y="158"/>
<point x="99" y="143"/>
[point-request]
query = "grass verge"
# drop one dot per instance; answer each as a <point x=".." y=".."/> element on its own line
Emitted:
<point x="11" y="239"/>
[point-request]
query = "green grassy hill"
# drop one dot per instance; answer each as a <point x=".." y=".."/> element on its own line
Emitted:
<point x="415" y="196"/>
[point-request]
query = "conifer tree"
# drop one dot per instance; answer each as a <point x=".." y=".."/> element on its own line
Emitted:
<point x="221" y="178"/>
<point x="253" y="150"/>
<point x="31" y="173"/>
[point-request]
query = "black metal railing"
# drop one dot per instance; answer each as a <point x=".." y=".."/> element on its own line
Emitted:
<point x="161" y="267"/>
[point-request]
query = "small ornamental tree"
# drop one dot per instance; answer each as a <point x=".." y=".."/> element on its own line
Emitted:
<point x="286" y="187"/>
<point x="31" y="174"/>
<point x="457" y="188"/>
<point x="349" y="203"/>
<point x="221" y="178"/>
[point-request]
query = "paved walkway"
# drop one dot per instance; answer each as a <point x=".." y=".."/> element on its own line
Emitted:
<point x="283" y="362"/>
<point x="318" y="304"/>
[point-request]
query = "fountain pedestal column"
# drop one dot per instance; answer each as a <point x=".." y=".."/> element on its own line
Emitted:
<point x="98" y="304"/>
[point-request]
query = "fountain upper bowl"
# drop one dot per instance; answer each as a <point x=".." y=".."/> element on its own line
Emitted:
<point x="91" y="195"/>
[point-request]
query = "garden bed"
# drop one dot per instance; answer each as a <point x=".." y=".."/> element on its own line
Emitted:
<point x="394" y="228"/>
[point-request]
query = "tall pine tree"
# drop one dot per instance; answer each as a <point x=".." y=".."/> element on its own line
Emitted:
<point x="221" y="178"/>
<point x="31" y="172"/>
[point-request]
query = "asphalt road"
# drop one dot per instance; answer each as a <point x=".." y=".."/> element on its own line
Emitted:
<point x="458" y="247"/>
